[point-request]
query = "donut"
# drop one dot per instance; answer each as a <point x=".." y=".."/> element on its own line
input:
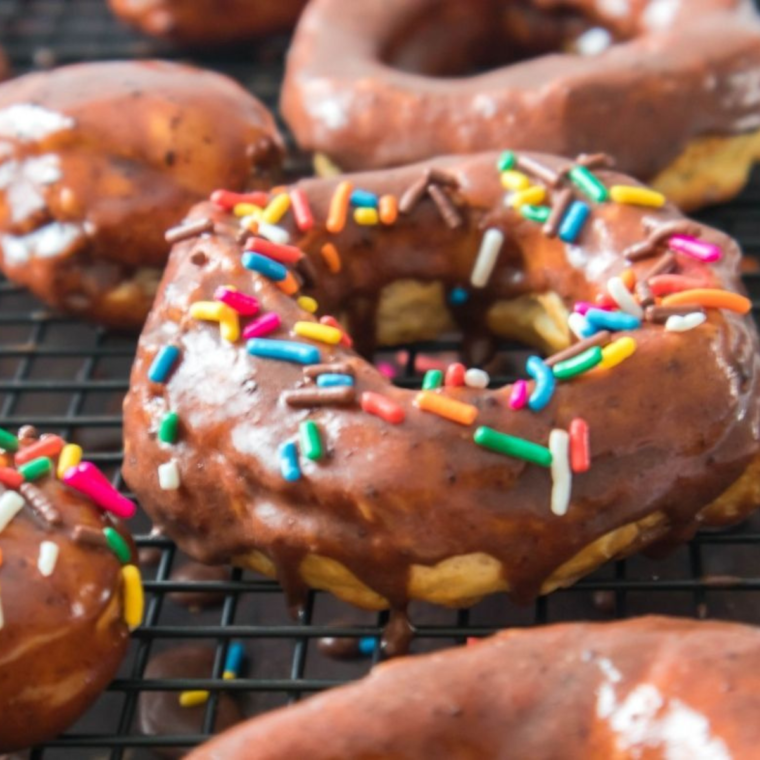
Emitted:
<point x="290" y="454"/>
<point x="92" y="176"/>
<point x="208" y="22"/>
<point x="670" y="92"/>
<point x="69" y="588"/>
<point x="651" y="687"/>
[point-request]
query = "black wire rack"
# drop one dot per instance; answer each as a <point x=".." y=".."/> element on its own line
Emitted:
<point x="69" y="378"/>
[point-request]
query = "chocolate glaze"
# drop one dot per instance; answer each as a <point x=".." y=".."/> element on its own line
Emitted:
<point x="208" y="22"/>
<point x="680" y="417"/>
<point x="375" y="84"/>
<point x="194" y="572"/>
<point x="63" y="636"/>
<point x="159" y="713"/>
<point x="647" y="688"/>
<point x="86" y="194"/>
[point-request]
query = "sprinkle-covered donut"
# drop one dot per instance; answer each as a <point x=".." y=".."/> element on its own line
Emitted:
<point x="69" y="587"/>
<point x="653" y="687"/>
<point x="255" y="433"/>
<point x="669" y="88"/>
<point x="97" y="160"/>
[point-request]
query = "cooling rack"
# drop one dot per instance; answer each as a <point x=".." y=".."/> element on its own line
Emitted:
<point x="69" y="378"/>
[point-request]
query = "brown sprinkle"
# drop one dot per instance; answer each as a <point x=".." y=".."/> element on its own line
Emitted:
<point x="595" y="161"/>
<point x="601" y="338"/>
<point x="441" y="177"/>
<point x="191" y="229"/>
<point x="560" y="203"/>
<point x="658" y="231"/>
<point x="308" y="397"/>
<point x="40" y="504"/>
<point x="447" y="209"/>
<point x="661" y="314"/>
<point x="337" y="368"/>
<point x="84" y="534"/>
<point x="537" y="169"/>
<point x="664" y="265"/>
<point x="413" y="194"/>
<point x="644" y="293"/>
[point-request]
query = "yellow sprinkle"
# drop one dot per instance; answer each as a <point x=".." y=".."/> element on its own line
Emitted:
<point x="276" y="209"/>
<point x="617" y="352"/>
<point x="193" y="698"/>
<point x="637" y="196"/>
<point x="228" y="675"/>
<point x="513" y="180"/>
<point x="134" y="599"/>
<point x="315" y="331"/>
<point x="366" y="216"/>
<point x="71" y="456"/>
<point x="307" y="303"/>
<point x="229" y="327"/>
<point x="533" y="196"/>
<point x="216" y="311"/>
<point x="247" y="209"/>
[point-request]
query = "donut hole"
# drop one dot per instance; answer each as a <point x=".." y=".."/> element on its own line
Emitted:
<point x="462" y="39"/>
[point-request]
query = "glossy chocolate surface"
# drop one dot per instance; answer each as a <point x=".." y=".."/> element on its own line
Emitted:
<point x="378" y="83"/>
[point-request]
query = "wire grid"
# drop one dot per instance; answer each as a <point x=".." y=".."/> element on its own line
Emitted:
<point x="69" y="378"/>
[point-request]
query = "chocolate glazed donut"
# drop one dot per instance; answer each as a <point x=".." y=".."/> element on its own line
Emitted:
<point x="208" y="22"/>
<point x="652" y="687"/>
<point x="674" y="98"/>
<point x="97" y="160"/>
<point x="66" y="580"/>
<point x="390" y="498"/>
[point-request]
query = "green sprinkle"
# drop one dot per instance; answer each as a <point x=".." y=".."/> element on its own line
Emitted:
<point x="577" y="365"/>
<point x="8" y="441"/>
<point x="535" y="213"/>
<point x="433" y="379"/>
<point x="167" y="432"/>
<point x="311" y="441"/>
<point x="118" y="545"/>
<point x="510" y="446"/>
<point x="507" y="161"/>
<point x="36" y="468"/>
<point x="589" y="184"/>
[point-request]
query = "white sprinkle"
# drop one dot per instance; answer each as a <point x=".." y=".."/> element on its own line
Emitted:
<point x="594" y="41"/>
<point x="559" y="445"/>
<point x="168" y="476"/>
<point x="623" y="297"/>
<point x="10" y="505"/>
<point x="274" y="233"/>
<point x="48" y="558"/>
<point x="578" y="325"/>
<point x="490" y="247"/>
<point x="678" y="323"/>
<point x="476" y="378"/>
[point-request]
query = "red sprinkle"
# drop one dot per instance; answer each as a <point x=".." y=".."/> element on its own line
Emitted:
<point x="454" y="377"/>
<point x="285" y="254"/>
<point x="11" y="478"/>
<point x="346" y="340"/>
<point x="606" y="302"/>
<point x="301" y="211"/>
<point x="45" y="447"/>
<point x="665" y="284"/>
<point x="383" y="407"/>
<point x="228" y="200"/>
<point x="245" y="305"/>
<point x="580" y="454"/>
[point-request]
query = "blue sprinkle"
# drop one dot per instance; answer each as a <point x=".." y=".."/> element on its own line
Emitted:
<point x="162" y="364"/>
<point x="289" y="462"/>
<point x="329" y="380"/>
<point x="264" y="265"/>
<point x="573" y="221"/>
<point x="545" y="383"/>
<point x="364" y="199"/>
<point x="367" y="645"/>
<point x="234" y="661"/>
<point x="458" y="296"/>
<point x="600" y="319"/>
<point x="284" y="350"/>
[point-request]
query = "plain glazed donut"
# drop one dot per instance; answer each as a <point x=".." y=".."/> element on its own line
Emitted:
<point x="98" y="160"/>
<point x="69" y="590"/>
<point x="383" y="495"/>
<point x="675" y="101"/>
<point x="208" y="22"/>
<point x="650" y="688"/>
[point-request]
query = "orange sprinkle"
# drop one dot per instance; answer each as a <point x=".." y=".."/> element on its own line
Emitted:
<point x="252" y="226"/>
<point x="336" y="219"/>
<point x="456" y="411"/>
<point x="278" y="190"/>
<point x="289" y="285"/>
<point x="628" y="277"/>
<point x="332" y="257"/>
<point x="388" y="209"/>
<point x="710" y="298"/>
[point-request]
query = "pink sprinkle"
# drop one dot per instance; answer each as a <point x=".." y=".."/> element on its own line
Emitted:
<point x="582" y="307"/>
<point x="518" y="398"/>
<point x="387" y="370"/>
<point x="696" y="249"/>
<point x="262" y="326"/>
<point x="246" y="306"/>
<point x="89" y="480"/>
